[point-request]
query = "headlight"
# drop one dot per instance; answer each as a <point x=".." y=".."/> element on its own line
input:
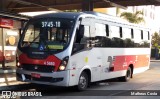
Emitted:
<point x="18" y="65"/>
<point x="63" y="64"/>
<point x="62" y="67"/>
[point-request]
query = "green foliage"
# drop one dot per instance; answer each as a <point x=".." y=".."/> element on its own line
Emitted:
<point x="155" y="39"/>
<point x="136" y="17"/>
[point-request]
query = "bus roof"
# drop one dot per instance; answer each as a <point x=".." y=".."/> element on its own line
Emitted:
<point x="75" y="15"/>
<point x="72" y="15"/>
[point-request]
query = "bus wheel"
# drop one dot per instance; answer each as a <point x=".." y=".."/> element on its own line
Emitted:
<point x="83" y="81"/>
<point x="127" y="76"/>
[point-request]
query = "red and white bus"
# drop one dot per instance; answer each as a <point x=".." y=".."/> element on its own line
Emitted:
<point x="74" y="49"/>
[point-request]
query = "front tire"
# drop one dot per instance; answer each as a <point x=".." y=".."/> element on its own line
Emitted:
<point x="127" y="76"/>
<point x="83" y="81"/>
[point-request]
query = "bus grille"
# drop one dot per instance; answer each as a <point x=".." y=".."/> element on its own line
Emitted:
<point x="38" y="68"/>
<point x="37" y="56"/>
<point x="44" y="79"/>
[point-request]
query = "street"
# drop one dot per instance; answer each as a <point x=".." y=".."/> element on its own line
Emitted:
<point x="148" y="81"/>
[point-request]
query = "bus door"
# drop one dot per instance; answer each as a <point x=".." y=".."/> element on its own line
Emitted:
<point x="94" y="58"/>
<point x="84" y="48"/>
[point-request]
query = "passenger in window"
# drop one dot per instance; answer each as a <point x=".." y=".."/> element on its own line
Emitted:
<point x="54" y="30"/>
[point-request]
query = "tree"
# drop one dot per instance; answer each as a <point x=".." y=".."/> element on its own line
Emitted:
<point x="136" y="17"/>
<point x="155" y="39"/>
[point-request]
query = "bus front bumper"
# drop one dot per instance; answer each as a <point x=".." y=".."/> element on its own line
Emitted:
<point x="56" y="78"/>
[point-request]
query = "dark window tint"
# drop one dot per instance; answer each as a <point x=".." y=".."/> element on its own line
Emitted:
<point x="107" y="30"/>
<point x="148" y="36"/>
<point x="142" y="34"/>
<point x="100" y="41"/>
<point x="132" y="35"/>
<point x="117" y="42"/>
<point x="120" y="31"/>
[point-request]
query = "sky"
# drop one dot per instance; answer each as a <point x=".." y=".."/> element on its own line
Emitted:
<point x="157" y="17"/>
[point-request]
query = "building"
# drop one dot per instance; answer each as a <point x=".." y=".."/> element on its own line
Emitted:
<point x="149" y="13"/>
<point x="10" y="29"/>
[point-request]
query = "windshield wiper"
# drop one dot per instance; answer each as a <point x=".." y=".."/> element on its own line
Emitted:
<point x="34" y="39"/>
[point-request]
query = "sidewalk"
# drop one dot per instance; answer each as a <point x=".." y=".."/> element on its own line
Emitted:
<point x="8" y="78"/>
<point x="7" y="70"/>
<point x="9" y="67"/>
<point x="8" y="82"/>
<point x="154" y="60"/>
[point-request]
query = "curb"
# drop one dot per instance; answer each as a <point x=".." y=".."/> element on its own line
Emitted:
<point x="154" y="60"/>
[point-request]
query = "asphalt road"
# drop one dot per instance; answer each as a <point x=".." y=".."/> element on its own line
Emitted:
<point x="143" y="83"/>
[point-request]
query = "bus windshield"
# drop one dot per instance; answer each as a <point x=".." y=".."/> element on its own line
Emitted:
<point x="46" y="34"/>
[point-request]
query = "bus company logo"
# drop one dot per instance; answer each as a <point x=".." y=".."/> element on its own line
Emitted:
<point x="6" y="94"/>
<point x="10" y="94"/>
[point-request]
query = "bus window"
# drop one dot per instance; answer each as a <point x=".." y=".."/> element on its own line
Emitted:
<point x="51" y="34"/>
<point x="81" y="39"/>
<point x="85" y="38"/>
<point x="100" y="29"/>
<point x="117" y="42"/>
<point x="29" y="34"/>
<point x="127" y="33"/>
<point x="145" y="42"/>
<point x="137" y="39"/>
<point x="145" y="35"/>
<point x="101" y="41"/>
<point x="114" y="31"/>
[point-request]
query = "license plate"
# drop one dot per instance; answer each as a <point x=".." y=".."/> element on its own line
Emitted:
<point x="35" y="75"/>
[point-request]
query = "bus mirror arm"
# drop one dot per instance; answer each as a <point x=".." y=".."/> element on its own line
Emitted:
<point x="81" y="30"/>
<point x="91" y="43"/>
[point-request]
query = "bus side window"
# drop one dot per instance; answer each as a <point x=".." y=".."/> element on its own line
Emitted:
<point x="117" y="42"/>
<point x="81" y="38"/>
<point x="85" y="36"/>
<point x="79" y="34"/>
